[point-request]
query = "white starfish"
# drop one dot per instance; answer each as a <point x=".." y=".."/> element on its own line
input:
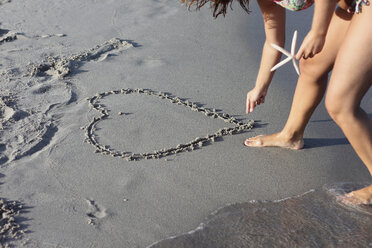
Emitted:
<point x="290" y="55"/>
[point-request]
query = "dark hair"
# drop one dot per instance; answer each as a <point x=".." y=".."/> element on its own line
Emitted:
<point x="218" y="6"/>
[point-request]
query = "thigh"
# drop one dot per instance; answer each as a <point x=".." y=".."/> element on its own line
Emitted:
<point x="323" y="62"/>
<point x="352" y="73"/>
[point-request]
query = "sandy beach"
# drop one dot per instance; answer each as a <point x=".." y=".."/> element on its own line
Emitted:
<point x="122" y="124"/>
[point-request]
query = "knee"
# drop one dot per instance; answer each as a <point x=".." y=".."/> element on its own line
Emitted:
<point x="312" y="68"/>
<point x="334" y="106"/>
<point x="331" y="107"/>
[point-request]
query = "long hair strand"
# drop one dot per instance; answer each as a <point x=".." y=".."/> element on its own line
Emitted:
<point x="219" y="6"/>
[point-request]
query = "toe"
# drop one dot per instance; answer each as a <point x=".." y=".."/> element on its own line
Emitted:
<point x="253" y="142"/>
<point x="350" y="198"/>
<point x="251" y="139"/>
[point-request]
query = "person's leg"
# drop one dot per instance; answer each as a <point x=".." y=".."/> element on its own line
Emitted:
<point x="350" y="81"/>
<point x="310" y="88"/>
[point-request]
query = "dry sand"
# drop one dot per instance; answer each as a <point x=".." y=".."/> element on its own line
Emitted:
<point x="55" y="55"/>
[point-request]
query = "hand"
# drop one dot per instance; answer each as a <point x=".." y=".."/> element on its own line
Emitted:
<point x="255" y="97"/>
<point x="312" y="44"/>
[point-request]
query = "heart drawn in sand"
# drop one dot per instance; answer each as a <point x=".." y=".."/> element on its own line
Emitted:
<point x="192" y="145"/>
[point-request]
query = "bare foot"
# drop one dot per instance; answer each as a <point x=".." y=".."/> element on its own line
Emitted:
<point x="358" y="197"/>
<point x="276" y="139"/>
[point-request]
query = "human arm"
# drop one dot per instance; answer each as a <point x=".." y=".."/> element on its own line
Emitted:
<point x="315" y="39"/>
<point x="274" y="22"/>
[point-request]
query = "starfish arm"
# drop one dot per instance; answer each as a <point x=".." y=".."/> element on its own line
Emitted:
<point x="281" y="63"/>
<point x="296" y="66"/>
<point x="281" y="50"/>
<point x="294" y="41"/>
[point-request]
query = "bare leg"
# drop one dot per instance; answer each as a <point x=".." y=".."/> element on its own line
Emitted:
<point x="310" y="88"/>
<point x="350" y="81"/>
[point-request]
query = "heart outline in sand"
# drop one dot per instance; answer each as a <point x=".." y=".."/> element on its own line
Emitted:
<point x="90" y="128"/>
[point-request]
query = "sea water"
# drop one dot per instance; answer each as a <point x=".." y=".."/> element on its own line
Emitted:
<point x="313" y="219"/>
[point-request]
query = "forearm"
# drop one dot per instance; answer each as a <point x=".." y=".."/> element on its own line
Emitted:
<point x="274" y="21"/>
<point x="270" y="57"/>
<point x="322" y="15"/>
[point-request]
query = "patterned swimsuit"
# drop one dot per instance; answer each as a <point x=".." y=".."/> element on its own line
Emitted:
<point x="356" y="6"/>
<point x="296" y="5"/>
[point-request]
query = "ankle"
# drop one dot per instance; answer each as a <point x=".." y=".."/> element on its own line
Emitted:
<point x="291" y="136"/>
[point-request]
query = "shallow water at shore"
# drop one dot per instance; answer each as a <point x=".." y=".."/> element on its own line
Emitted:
<point x="314" y="219"/>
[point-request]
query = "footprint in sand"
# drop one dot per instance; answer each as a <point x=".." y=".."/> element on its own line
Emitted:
<point x="95" y="212"/>
<point x="61" y="67"/>
<point x="29" y="114"/>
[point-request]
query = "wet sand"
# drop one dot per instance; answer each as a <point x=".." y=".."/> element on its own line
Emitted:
<point x="87" y="85"/>
<point x="313" y="219"/>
